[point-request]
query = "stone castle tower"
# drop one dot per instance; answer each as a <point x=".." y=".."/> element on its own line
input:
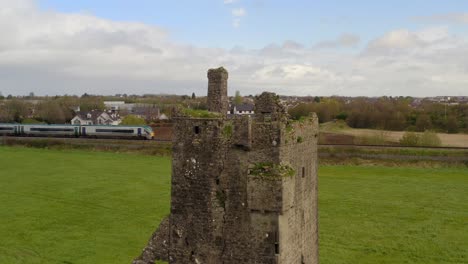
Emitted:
<point x="244" y="189"/>
<point x="217" y="91"/>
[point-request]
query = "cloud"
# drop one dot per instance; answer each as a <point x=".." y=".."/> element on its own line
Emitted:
<point x="236" y="22"/>
<point x="343" y="41"/>
<point x="238" y="12"/>
<point x="461" y="18"/>
<point x="291" y="72"/>
<point x="292" y="45"/>
<point x="398" y="40"/>
<point x="404" y="41"/>
<point x="228" y="2"/>
<point x="49" y="52"/>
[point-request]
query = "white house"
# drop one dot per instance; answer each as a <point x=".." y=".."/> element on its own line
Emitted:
<point x="118" y="106"/>
<point x="242" y="109"/>
<point x="96" y="118"/>
<point x="108" y="119"/>
<point x="84" y="118"/>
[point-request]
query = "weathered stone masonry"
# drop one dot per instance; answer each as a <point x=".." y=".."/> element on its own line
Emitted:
<point x="217" y="91"/>
<point x="244" y="189"/>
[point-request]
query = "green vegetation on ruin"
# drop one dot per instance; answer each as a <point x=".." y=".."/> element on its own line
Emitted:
<point x="70" y="206"/>
<point x="289" y="128"/>
<point x="197" y="113"/>
<point x="272" y="170"/>
<point x="228" y="130"/>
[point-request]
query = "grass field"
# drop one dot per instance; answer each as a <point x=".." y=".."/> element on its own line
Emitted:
<point x="393" y="215"/>
<point x="340" y="127"/>
<point x="92" y="207"/>
<point x="79" y="207"/>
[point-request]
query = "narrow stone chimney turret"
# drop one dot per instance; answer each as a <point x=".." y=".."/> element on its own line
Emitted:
<point x="217" y="90"/>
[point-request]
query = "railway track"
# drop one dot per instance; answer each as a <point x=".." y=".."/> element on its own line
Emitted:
<point x="156" y="141"/>
<point x="80" y="139"/>
<point x="391" y="147"/>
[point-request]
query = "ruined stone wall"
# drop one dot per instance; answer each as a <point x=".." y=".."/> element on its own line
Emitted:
<point x="272" y="220"/>
<point x="244" y="189"/>
<point x="196" y="201"/>
<point x="217" y="91"/>
<point x="298" y="223"/>
<point x="157" y="247"/>
<point x="251" y="222"/>
<point x="222" y="213"/>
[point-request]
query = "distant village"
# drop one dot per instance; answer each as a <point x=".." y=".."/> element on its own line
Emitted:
<point x="115" y="111"/>
<point x="441" y="113"/>
<point x="95" y="110"/>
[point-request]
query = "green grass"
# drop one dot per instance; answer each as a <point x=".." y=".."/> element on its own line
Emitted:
<point x="396" y="151"/>
<point x="94" y="207"/>
<point x="196" y="113"/>
<point x="393" y="215"/>
<point x="334" y="126"/>
<point x="79" y="207"/>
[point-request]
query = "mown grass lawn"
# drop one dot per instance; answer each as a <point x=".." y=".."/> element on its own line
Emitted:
<point x="93" y="207"/>
<point x="393" y="215"/>
<point x="79" y="207"/>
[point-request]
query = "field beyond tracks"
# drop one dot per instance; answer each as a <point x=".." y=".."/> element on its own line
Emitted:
<point x="343" y="134"/>
<point x="93" y="207"/>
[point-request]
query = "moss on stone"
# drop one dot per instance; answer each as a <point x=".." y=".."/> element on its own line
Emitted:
<point x="228" y="130"/>
<point x="200" y="113"/>
<point x="272" y="170"/>
<point x="289" y="128"/>
<point x="221" y="198"/>
<point x="218" y="70"/>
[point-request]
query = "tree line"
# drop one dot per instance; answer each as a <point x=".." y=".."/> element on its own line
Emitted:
<point x="61" y="109"/>
<point x="388" y="113"/>
<point x="54" y="110"/>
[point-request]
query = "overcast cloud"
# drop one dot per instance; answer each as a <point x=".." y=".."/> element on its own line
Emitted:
<point x="56" y="53"/>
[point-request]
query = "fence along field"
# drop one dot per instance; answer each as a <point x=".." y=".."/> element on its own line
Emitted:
<point x="78" y="207"/>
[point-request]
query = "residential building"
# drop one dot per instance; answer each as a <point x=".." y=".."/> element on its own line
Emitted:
<point x="242" y="109"/>
<point x="96" y="118"/>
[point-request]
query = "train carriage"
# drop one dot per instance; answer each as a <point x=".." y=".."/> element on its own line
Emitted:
<point x="8" y="129"/>
<point x="95" y="131"/>
<point x="142" y="132"/>
<point x="51" y="130"/>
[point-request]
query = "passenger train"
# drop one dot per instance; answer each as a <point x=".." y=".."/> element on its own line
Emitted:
<point x="92" y="131"/>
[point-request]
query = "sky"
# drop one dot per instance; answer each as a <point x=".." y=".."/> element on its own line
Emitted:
<point x="349" y="48"/>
